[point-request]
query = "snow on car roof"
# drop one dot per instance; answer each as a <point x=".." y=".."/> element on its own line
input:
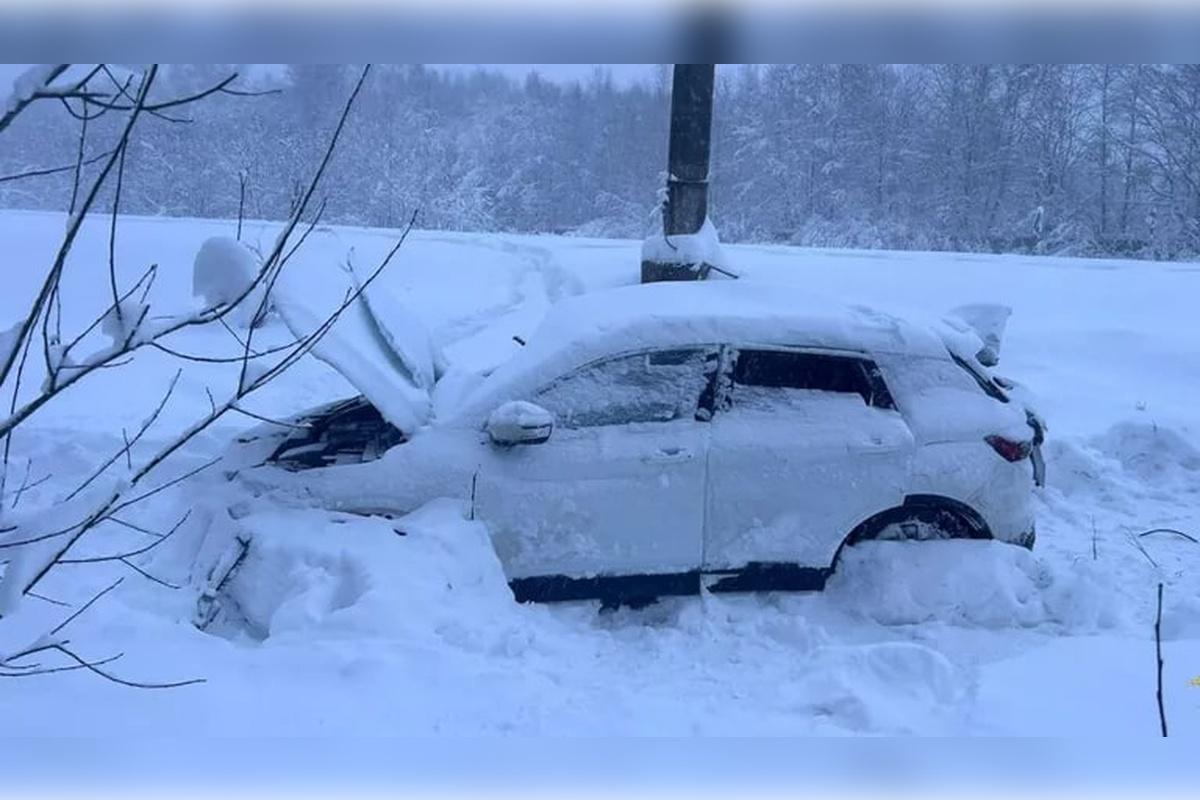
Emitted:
<point x="586" y="327"/>
<point x="674" y="313"/>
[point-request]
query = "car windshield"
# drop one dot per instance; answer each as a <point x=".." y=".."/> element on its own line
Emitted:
<point x="655" y="386"/>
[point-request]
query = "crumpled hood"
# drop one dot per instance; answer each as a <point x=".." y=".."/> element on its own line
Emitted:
<point x="377" y="344"/>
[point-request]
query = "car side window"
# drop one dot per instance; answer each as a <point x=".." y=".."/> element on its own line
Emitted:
<point x="650" y="386"/>
<point x="912" y="376"/>
<point x="759" y="374"/>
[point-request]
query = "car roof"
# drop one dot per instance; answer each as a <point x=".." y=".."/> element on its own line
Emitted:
<point x="591" y="326"/>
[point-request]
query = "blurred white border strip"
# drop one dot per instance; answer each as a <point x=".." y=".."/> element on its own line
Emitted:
<point x="566" y="768"/>
<point x="614" y="31"/>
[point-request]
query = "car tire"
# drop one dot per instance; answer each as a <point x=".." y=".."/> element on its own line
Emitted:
<point x="924" y="525"/>
<point x="921" y="518"/>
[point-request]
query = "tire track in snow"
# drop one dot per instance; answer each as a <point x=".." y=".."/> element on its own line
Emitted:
<point x="485" y="338"/>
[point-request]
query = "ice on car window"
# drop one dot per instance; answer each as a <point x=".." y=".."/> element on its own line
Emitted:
<point x="667" y="358"/>
<point x="643" y="387"/>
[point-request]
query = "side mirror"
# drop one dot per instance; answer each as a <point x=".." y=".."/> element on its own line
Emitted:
<point x="519" y="422"/>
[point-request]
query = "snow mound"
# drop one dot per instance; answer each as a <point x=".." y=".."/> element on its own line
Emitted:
<point x="320" y="574"/>
<point x="1151" y="452"/>
<point x="971" y="584"/>
<point x="223" y="268"/>
<point x="691" y="249"/>
<point x="888" y="686"/>
<point x="1072" y="467"/>
<point x="1181" y="615"/>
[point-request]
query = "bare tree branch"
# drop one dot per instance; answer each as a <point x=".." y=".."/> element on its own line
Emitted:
<point x="272" y="274"/>
<point x="145" y="470"/>
<point x="153" y="579"/>
<point x="49" y="600"/>
<point x="250" y="92"/>
<point x="91" y="667"/>
<point x="36" y="669"/>
<point x="144" y="282"/>
<point x="130" y="553"/>
<point x="85" y="606"/>
<point x="123" y="90"/>
<point x="7" y="436"/>
<point x="112" y="233"/>
<point x="241" y="201"/>
<point x="145" y="426"/>
<point x="261" y="418"/>
<point x="221" y="87"/>
<point x="83" y="125"/>
<point x="132" y="526"/>
<point x="43" y="171"/>
<point x="311" y="341"/>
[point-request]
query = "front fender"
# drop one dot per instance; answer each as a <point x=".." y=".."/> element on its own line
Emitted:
<point x="434" y="463"/>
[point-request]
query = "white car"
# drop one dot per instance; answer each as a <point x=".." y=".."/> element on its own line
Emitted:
<point x="654" y="439"/>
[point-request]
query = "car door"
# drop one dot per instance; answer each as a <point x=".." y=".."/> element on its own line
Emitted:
<point x="804" y="446"/>
<point x="618" y="487"/>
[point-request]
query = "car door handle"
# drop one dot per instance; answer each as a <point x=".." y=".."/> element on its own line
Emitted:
<point x="668" y="455"/>
<point x="875" y="444"/>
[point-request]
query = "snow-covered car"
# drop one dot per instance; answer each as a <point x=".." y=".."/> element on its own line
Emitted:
<point x="654" y="439"/>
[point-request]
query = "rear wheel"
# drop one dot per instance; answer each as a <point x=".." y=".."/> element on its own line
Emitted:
<point x="922" y="518"/>
<point x="925" y="525"/>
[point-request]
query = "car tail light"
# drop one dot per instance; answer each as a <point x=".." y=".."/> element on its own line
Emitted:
<point x="1009" y="449"/>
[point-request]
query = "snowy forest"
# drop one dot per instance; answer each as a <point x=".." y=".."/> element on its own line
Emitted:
<point x="1068" y="159"/>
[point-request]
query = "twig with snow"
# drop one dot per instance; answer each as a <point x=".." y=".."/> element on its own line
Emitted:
<point x="26" y="90"/>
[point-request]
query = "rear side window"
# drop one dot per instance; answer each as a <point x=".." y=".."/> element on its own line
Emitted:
<point x="817" y="372"/>
<point x="655" y="386"/>
<point x="911" y="376"/>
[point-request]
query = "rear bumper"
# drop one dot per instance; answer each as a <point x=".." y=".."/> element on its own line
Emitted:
<point x="1006" y="502"/>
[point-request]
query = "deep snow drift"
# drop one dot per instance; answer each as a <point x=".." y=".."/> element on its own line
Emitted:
<point x="352" y="625"/>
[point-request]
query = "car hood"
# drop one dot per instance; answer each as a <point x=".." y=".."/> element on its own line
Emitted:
<point x="375" y="342"/>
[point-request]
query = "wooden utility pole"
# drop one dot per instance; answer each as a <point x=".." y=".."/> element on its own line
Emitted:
<point x="686" y="206"/>
<point x="689" y="149"/>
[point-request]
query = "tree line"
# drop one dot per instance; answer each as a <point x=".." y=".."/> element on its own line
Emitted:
<point x="1083" y="159"/>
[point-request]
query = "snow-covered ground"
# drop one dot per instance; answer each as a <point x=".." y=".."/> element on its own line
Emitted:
<point x="354" y="629"/>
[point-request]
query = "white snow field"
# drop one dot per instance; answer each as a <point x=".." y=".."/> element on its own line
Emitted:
<point x="352" y="629"/>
